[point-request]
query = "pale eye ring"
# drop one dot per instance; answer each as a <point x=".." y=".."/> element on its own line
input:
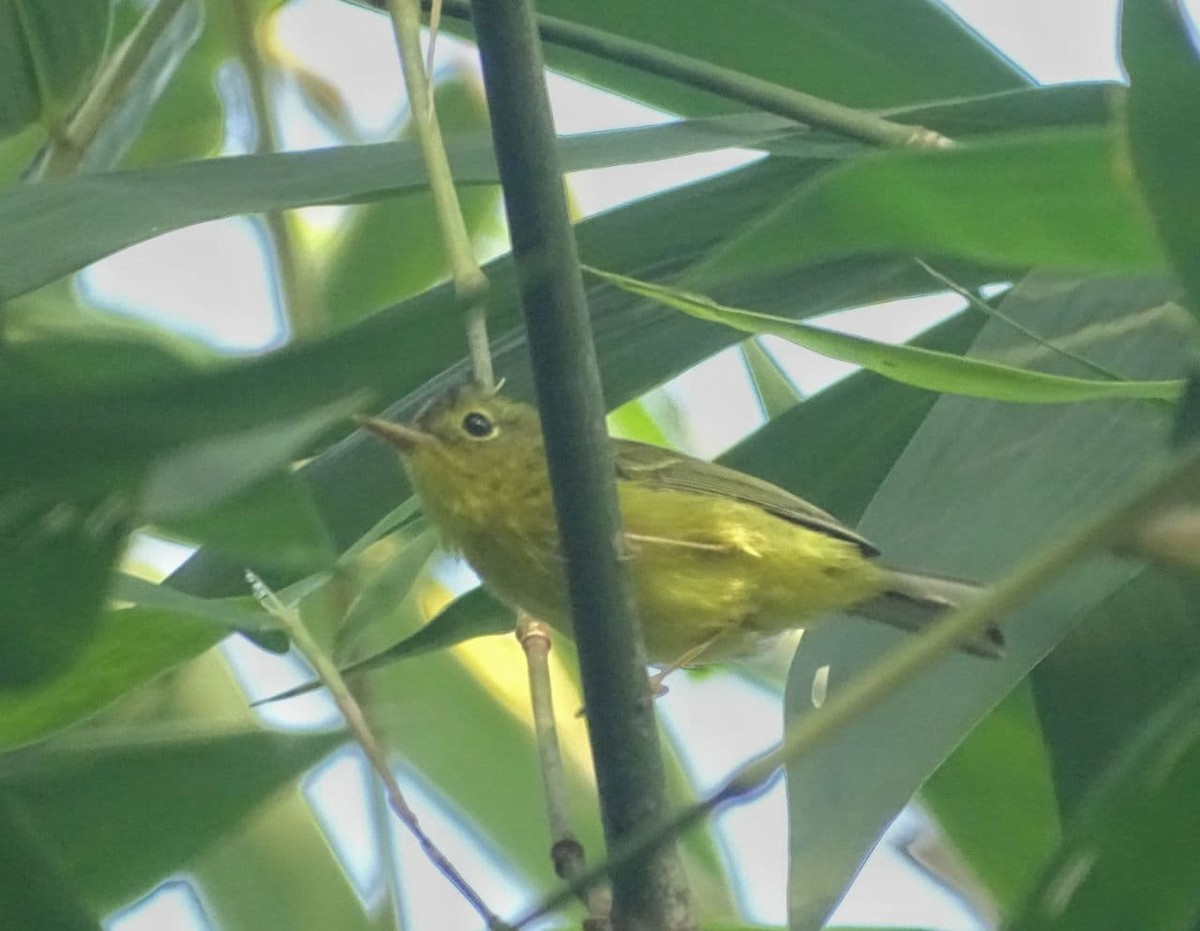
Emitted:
<point x="478" y="425"/>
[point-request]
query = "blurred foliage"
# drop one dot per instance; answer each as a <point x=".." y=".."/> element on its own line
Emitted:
<point x="1062" y="779"/>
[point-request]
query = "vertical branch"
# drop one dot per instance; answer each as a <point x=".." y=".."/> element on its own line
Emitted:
<point x="566" y="851"/>
<point x="651" y="892"/>
<point x="302" y="311"/>
<point x="469" y="281"/>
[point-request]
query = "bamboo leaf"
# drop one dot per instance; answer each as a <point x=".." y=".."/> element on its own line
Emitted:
<point x="912" y="365"/>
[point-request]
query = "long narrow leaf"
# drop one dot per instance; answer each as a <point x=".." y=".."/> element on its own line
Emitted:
<point x="55" y="228"/>
<point x="922" y="368"/>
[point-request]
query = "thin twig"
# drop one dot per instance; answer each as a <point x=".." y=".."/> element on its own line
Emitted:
<point x="327" y="671"/>
<point x="566" y="851"/>
<point x="1115" y="529"/>
<point x="470" y="284"/>
<point x="763" y="95"/>
<point x="303" y="313"/>
<point x="72" y="142"/>
<point x="980" y="304"/>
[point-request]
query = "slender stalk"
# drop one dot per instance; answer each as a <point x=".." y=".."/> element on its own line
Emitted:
<point x="469" y="280"/>
<point x="566" y="851"/>
<point x="303" y="313"/>
<point x="651" y="893"/>
<point x="981" y="305"/>
<point x="1115" y="529"/>
<point x="69" y="145"/>
<point x="327" y="671"/>
<point x="755" y="92"/>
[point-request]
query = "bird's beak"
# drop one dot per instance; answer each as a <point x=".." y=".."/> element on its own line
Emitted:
<point x="406" y="439"/>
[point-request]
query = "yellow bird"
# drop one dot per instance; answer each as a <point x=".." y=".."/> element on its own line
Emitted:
<point x="720" y="561"/>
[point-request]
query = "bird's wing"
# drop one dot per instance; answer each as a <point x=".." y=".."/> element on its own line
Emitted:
<point x="664" y="468"/>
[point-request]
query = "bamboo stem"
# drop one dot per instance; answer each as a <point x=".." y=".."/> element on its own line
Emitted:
<point x="469" y="280"/>
<point x="651" y="892"/>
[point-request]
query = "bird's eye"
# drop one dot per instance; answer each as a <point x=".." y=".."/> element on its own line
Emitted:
<point x="478" y="425"/>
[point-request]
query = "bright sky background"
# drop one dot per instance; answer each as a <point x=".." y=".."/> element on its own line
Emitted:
<point x="720" y="722"/>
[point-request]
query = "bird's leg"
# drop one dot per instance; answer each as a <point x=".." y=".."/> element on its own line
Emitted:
<point x="656" y="681"/>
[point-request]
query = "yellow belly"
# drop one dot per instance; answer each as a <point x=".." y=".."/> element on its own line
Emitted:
<point x="700" y="566"/>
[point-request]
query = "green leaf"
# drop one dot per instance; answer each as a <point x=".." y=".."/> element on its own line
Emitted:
<point x="975" y="464"/>
<point x="388" y="586"/>
<point x="197" y="476"/>
<point x="248" y="881"/>
<point x="34" y="890"/>
<point x="55" y="560"/>
<point x="838" y="446"/>
<point x="47" y="52"/>
<point x="912" y="365"/>
<point x="1113" y="672"/>
<point x="825" y="47"/>
<point x="476" y="614"/>
<point x="1129" y="858"/>
<point x="1061" y="199"/>
<point x="776" y="393"/>
<point x="272" y="523"/>
<point x="994" y="800"/>
<point x="129" y="648"/>
<point x="186" y="790"/>
<point x="55" y="228"/>
<point x="1159" y="52"/>
<point x="228" y="615"/>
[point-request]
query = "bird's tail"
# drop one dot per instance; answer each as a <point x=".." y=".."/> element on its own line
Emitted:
<point x="913" y="601"/>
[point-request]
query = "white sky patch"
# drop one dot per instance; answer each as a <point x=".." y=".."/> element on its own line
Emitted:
<point x="208" y="280"/>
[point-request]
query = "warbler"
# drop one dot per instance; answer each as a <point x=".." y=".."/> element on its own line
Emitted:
<point x="720" y="561"/>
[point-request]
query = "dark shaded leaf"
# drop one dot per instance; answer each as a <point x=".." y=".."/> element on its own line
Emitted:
<point x="1129" y="857"/>
<point x="55" y="560"/>
<point x="188" y="791"/>
<point x="1113" y="673"/>
<point x="47" y="52"/>
<point x="994" y="799"/>
<point x="1159" y="53"/>
<point x="34" y="890"/>
<point x="129" y="648"/>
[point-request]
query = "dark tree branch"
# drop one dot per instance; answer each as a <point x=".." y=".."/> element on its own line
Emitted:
<point x="651" y="893"/>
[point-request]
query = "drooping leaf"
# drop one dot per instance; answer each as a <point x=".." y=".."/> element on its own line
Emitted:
<point x="912" y="365"/>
